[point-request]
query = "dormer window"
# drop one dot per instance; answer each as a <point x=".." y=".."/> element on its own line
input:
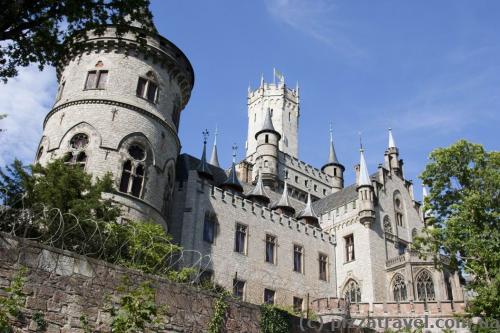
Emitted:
<point x="147" y="88"/>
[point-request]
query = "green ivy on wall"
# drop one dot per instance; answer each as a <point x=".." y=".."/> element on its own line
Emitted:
<point x="274" y="320"/>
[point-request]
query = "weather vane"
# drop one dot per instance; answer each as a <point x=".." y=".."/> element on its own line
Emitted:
<point x="205" y="135"/>
<point x="235" y="148"/>
<point x="360" y="141"/>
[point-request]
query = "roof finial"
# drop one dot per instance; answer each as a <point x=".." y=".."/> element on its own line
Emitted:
<point x="262" y="80"/>
<point x="203" y="168"/>
<point x="205" y="136"/>
<point x="360" y="142"/>
<point x="392" y="143"/>
<point x="331" y="133"/>
<point x="235" y="149"/>
<point x="214" y="159"/>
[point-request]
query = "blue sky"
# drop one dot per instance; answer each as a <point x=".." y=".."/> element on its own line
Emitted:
<point x="428" y="69"/>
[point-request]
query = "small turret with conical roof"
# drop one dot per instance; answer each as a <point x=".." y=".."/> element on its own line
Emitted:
<point x="258" y="194"/>
<point x="364" y="187"/>
<point x="392" y="160"/>
<point x="283" y="205"/>
<point x="203" y="169"/>
<point x="232" y="182"/>
<point x="267" y="152"/>
<point x="214" y="159"/>
<point x="308" y="214"/>
<point x="333" y="168"/>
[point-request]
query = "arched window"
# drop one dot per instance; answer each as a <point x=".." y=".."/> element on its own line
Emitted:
<point x="414" y="234"/>
<point x="425" y="287"/>
<point x="77" y="155"/>
<point x="387" y="224"/>
<point x="398" y="209"/>
<point x="133" y="171"/>
<point x="399" y="289"/>
<point x="352" y="293"/>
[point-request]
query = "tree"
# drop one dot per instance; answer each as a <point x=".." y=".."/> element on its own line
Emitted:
<point x="463" y="206"/>
<point x="35" y="31"/>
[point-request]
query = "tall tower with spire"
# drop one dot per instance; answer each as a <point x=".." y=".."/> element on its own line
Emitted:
<point x="283" y="103"/>
<point x="364" y="187"/>
<point x="334" y="168"/>
<point x="392" y="160"/>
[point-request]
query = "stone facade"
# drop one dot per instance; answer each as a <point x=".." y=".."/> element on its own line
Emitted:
<point x="111" y="110"/>
<point x="63" y="287"/>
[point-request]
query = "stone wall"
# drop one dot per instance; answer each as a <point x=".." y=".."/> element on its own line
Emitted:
<point x="64" y="286"/>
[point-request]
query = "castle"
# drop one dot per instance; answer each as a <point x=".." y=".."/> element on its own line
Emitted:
<point x="271" y="228"/>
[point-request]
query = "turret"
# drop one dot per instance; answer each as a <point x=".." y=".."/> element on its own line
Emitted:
<point x="203" y="169"/>
<point x="258" y="194"/>
<point x="308" y="214"/>
<point x="214" y="159"/>
<point x="283" y="206"/>
<point x="267" y="152"/>
<point x="232" y="183"/>
<point x="392" y="160"/>
<point x="364" y="187"/>
<point x="333" y="168"/>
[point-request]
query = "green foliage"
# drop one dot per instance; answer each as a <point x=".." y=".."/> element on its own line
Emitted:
<point x="11" y="306"/>
<point x="35" y="31"/>
<point x="274" y="320"/>
<point x="464" y="204"/>
<point x="66" y="210"/>
<point x="84" y="323"/>
<point x="216" y="324"/>
<point x="137" y="310"/>
<point x="39" y="319"/>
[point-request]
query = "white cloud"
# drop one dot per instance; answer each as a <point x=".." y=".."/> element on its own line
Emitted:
<point x="26" y="100"/>
<point x="315" y="18"/>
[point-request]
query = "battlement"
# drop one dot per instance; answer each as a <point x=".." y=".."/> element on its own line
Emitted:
<point x="306" y="168"/>
<point x="264" y="213"/>
<point x="271" y="89"/>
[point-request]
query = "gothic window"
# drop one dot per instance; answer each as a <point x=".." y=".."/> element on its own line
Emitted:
<point x="298" y="253"/>
<point x="399" y="289"/>
<point x="209" y="227"/>
<point x="387" y="224"/>
<point x="447" y="283"/>
<point x="147" y="88"/>
<point x="352" y="293"/>
<point x="398" y="209"/>
<point x="323" y="267"/>
<point x="271" y="249"/>
<point x="240" y="240"/>
<point x="77" y="155"/>
<point x="425" y="286"/>
<point x="349" y="248"/>
<point x="96" y="79"/>
<point x="401" y="248"/>
<point x="133" y="171"/>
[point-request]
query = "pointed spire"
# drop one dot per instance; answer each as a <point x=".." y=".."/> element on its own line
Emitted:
<point x="203" y="168"/>
<point x="332" y="157"/>
<point x="268" y="126"/>
<point x="392" y="143"/>
<point x="214" y="159"/>
<point x="364" y="176"/>
<point x="232" y="182"/>
<point x="262" y="80"/>
<point x="258" y="192"/>
<point x="308" y="212"/>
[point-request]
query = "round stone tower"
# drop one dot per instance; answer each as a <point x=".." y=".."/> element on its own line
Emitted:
<point x="267" y="152"/>
<point x="117" y="111"/>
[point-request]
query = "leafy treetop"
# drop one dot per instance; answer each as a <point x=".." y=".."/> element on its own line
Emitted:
<point x="35" y="31"/>
<point x="464" y="205"/>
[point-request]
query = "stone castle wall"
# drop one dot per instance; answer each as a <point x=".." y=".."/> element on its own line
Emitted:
<point x="64" y="286"/>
